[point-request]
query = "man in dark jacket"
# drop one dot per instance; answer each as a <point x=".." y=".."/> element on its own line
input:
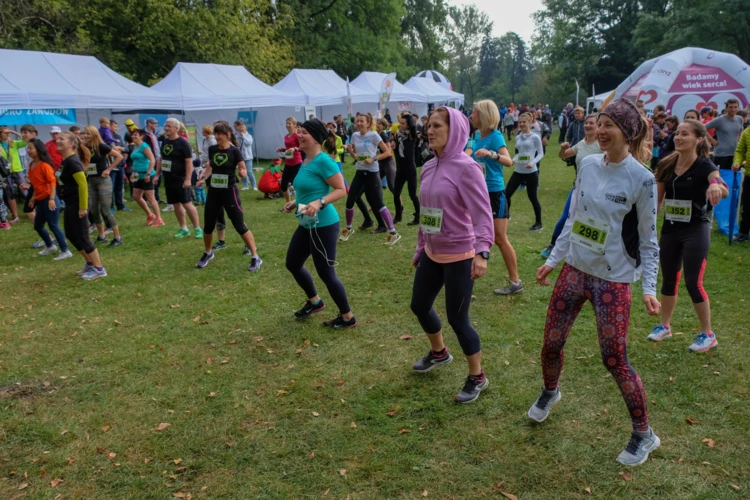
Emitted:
<point x="575" y="128"/>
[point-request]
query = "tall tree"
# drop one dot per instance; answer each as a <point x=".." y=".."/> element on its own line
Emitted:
<point x="514" y="62"/>
<point x="423" y="29"/>
<point x="468" y="27"/>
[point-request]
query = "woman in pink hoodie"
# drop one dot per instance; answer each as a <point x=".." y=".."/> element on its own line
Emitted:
<point x="455" y="236"/>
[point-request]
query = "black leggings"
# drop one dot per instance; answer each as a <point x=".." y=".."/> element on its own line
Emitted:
<point x="369" y="184"/>
<point x="77" y="228"/>
<point x="532" y="187"/>
<point x="321" y="243"/>
<point x="428" y="281"/>
<point x="406" y="175"/>
<point x="288" y="176"/>
<point x="388" y="170"/>
<point x="218" y="200"/>
<point x="685" y="249"/>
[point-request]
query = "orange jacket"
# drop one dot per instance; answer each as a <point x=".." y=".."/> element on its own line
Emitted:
<point x="42" y="178"/>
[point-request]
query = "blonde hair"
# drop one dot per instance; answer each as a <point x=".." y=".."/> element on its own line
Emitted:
<point x="639" y="147"/>
<point x="80" y="150"/>
<point x="182" y="131"/>
<point x="579" y="108"/>
<point x="383" y="123"/>
<point x="95" y="140"/>
<point x="104" y="121"/>
<point x="293" y="120"/>
<point x="208" y="129"/>
<point x="489" y="116"/>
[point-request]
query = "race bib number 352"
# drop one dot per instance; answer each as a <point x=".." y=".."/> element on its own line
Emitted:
<point x="678" y="210"/>
<point x="430" y="220"/>
<point x="590" y="233"/>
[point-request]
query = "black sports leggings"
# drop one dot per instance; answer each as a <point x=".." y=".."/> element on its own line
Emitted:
<point x="369" y="184"/>
<point x="532" y="187"/>
<point x="219" y="200"/>
<point x="406" y="174"/>
<point x="77" y="228"/>
<point x="428" y="281"/>
<point x="321" y="243"/>
<point x="685" y="249"/>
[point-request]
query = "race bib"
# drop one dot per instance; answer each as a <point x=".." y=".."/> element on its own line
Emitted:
<point x="219" y="181"/>
<point x="484" y="168"/>
<point x="430" y="220"/>
<point x="525" y="160"/>
<point x="289" y="154"/>
<point x="166" y="165"/>
<point x="362" y="157"/>
<point x="678" y="210"/>
<point x="58" y="174"/>
<point x="91" y="169"/>
<point x="590" y="233"/>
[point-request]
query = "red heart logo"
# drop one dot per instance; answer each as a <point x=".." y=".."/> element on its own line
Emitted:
<point x="711" y="104"/>
<point x="651" y="93"/>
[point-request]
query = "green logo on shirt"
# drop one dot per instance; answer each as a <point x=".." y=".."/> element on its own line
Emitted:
<point x="220" y="159"/>
<point x="168" y="148"/>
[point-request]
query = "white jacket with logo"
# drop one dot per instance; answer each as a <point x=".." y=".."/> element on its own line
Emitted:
<point x="622" y="195"/>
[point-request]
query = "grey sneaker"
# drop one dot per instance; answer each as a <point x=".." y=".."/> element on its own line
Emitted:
<point x="512" y="289"/>
<point x="540" y="409"/>
<point x="472" y="388"/>
<point x="205" y="259"/>
<point x="637" y="450"/>
<point x="85" y="270"/>
<point x="49" y="250"/>
<point x="247" y="251"/>
<point x="255" y="263"/>
<point x="219" y="245"/>
<point x="431" y="361"/>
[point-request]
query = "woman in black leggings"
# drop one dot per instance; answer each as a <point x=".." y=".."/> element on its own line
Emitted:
<point x="224" y="159"/>
<point x="688" y="181"/>
<point x="318" y="185"/>
<point x="404" y="143"/>
<point x="529" y="152"/>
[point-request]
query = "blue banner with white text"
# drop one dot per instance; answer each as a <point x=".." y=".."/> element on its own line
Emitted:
<point x="60" y="116"/>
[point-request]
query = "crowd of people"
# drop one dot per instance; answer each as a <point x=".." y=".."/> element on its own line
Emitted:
<point x="606" y="234"/>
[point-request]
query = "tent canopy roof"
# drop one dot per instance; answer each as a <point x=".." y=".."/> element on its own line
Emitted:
<point x="31" y="79"/>
<point x="321" y="87"/>
<point x="220" y="86"/>
<point x="434" y="91"/>
<point x="372" y="81"/>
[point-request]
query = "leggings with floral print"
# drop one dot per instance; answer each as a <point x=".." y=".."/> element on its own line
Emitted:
<point x="611" y="302"/>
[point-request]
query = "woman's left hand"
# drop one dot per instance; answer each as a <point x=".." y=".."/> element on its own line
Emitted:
<point x="478" y="267"/>
<point x="82" y="213"/>
<point x="51" y="204"/>
<point x="105" y="173"/>
<point x="714" y="194"/>
<point x="370" y="161"/>
<point x="482" y="153"/>
<point x="652" y="305"/>
<point x="243" y="173"/>
<point x="312" y="208"/>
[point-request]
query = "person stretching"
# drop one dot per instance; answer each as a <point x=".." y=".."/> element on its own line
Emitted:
<point x="318" y="185"/>
<point x="608" y="242"/>
<point x="454" y="240"/>
<point x="141" y="178"/>
<point x="687" y="181"/>
<point x="529" y="152"/>
<point x="405" y="145"/>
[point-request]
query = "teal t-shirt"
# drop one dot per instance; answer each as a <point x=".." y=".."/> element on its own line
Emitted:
<point x="493" y="171"/>
<point x="310" y="185"/>
<point x="140" y="160"/>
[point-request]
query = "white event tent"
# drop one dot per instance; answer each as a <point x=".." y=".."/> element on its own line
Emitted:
<point x="46" y="89"/>
<point x="436" y="93"/>
<point x="325" y="90"/>
<point x="210" y="92"/>
<point x="402" y="98"/>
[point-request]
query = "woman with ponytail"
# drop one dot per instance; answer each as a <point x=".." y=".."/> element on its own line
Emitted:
<point x="608" y="242"/>
<point x="687" y="182"/>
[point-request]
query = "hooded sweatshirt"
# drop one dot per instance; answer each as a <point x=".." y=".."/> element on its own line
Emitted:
<point x="455" y="184"/>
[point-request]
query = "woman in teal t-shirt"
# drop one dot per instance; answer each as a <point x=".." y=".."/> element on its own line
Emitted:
<point x="142" y="179"/>
<point x="318" y="185"/>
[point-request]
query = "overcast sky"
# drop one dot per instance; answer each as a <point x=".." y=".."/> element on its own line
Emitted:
<point x="507" y="15"/>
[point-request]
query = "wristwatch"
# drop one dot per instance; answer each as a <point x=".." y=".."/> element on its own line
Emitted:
<point x="485" y="255"/>
<point x="322" y="203"/>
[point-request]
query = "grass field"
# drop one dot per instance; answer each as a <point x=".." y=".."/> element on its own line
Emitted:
<point x="259" y="405"/>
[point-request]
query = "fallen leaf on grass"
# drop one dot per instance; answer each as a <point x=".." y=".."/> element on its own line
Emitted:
<point x="146" y="460"/>
<point x="106" y="428"/>
<point x="708" y="442"/>
<point x="197" y="318"/>
<point x="404" y="431"/>
<point x="405" y="336"/>
<point x="587" y="489"/>
<point x="507" y="362"/>
<point x="734" y="487"/>
<point x="16" y="497"/>
<point x="211" y="394"/>
<point x="111" y="455"/>
<point x="71" y="460"/>
<point x="163" y="426"/>
<point x="425" y="493"/>
<point x="55" y="482"/>
<point x="342" y="472"/>
<point x="353" y="425"/>
<point x="341" y="383"/>
<point x="315" y="414"/>
<point x="392" y="412"/>
<point x="689" y="420"/>
<point x="23" y="486"/>
<point x="509" y="495"/>
<point x="209" y="361"/>
<point x="626" y="476"/>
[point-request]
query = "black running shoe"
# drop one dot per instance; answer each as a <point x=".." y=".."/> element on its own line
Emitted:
<point x="380" y="230"/>
<point x="431" y="361"/>
<point x="536" y="227"/>
<point x="415" y="222"/>
<point x="219" y="245"/>
<point x="309" y="309"/>
<point x="101" y="239"/>
<point x="472" y="388"/>
<point x="340" y="322"/>
<point x="366" y="225"/>
<point x="115" y="242"/>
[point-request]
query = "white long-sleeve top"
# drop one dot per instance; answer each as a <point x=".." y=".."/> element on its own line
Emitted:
<point x="528" y="150"/>
<point x="246" y="145"/>
<point x="619" y="199"/>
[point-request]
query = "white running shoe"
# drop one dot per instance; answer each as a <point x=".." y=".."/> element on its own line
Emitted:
<point x="392" y="239"/>
<point x="660" y="332"/>
<point x="49" y="250"/>
<point x="637" y="450"/>
<point x="541" y="407"/>
<point x="346" y="234"/>
<point x="64" y="255"/>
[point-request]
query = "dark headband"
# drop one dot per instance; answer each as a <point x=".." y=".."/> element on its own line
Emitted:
<point x="626" y="117"/>
<point x="317" y="130"/>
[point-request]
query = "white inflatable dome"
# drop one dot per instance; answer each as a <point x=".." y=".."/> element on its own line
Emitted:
<point x="439" y="78"/>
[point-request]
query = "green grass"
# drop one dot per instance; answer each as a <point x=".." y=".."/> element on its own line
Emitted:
<point x="100" y="365"/>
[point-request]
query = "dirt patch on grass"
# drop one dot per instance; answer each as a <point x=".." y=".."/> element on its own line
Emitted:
<point x="26" y="389"/>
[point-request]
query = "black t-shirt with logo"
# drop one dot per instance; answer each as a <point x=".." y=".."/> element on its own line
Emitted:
<point x="174" y="152"/>
<point x="99" y="160"/>
<point x="224" y="163"/>
<point x="690" y="186"/>
<point x="69" y="187"/>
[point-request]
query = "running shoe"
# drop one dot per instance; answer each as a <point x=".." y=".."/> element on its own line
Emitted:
<point x="547" y="251"/>
<point x="379" y="230"/>
<point x="94" y="274"/>
<point x="431" y="361"/>
<point x="125" y="209"/>
<point x="4" y="225"/>
<point x="88" y="267"/>
<point x="115" y="243"/>
<point x="637" y="450"/>
<point x="219" y="245"/>
<point x="659" y="333"/>
<point x="346" y="234"/>
<point x="101" y="239"/>
<point x="158" y="223"/>
<point x="255" y="263"/>
<point x="511" y="289"/>
<point x="182" y="233"/>
<point x="150" y="219"/>
<point x="48" y="250"/>
<point x="392" y="239"/>
<point x="415" y="222"/>
<point x="397" y="219"/>
<point x="738" y="238"/>
<point x="14" y="220"/>
<point x="247" y="251"/>
<point x="309" y="309"/>
<point x="198" y="232"/>
<point x="92" y="228"/>
<point x="340" y="322"/>
<point x="704" y="342"/>
<point x="108" y="231"/>
<point x="168" y="208"/>
<point x="472" y="387"/>
<point x="536" y="227"/>
<point x="207" y="257"/>
<point x="111" y="210"/>
<point x="540" y="409"/>
<point x="64" y="255"/>
<point x="522" y="187"/>
<point x="38" y="244"/>
<point x="366" y="225"/>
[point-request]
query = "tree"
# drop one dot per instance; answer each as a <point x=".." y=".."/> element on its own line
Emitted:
<point x="468" y="27"/>
<point x="423" y="30"/>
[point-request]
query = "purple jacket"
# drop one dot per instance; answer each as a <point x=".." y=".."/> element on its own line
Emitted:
<point x="107" y="137"/>
<point x="454" y="182"/>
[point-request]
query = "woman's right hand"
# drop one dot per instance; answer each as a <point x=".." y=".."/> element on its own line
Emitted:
<point x="290" y="206"/>
<point x="82" y="213"/>
<point x="542" y="273"/>
<point x="564" y="145"/>
<point x="530" y="165"/>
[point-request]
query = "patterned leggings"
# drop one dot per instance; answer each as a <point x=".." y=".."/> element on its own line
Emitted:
<point x="611" y="302"/>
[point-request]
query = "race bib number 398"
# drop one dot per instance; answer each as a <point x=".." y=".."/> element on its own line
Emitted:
<point x="430" y="220"/>
<point x="590" y="233"/>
